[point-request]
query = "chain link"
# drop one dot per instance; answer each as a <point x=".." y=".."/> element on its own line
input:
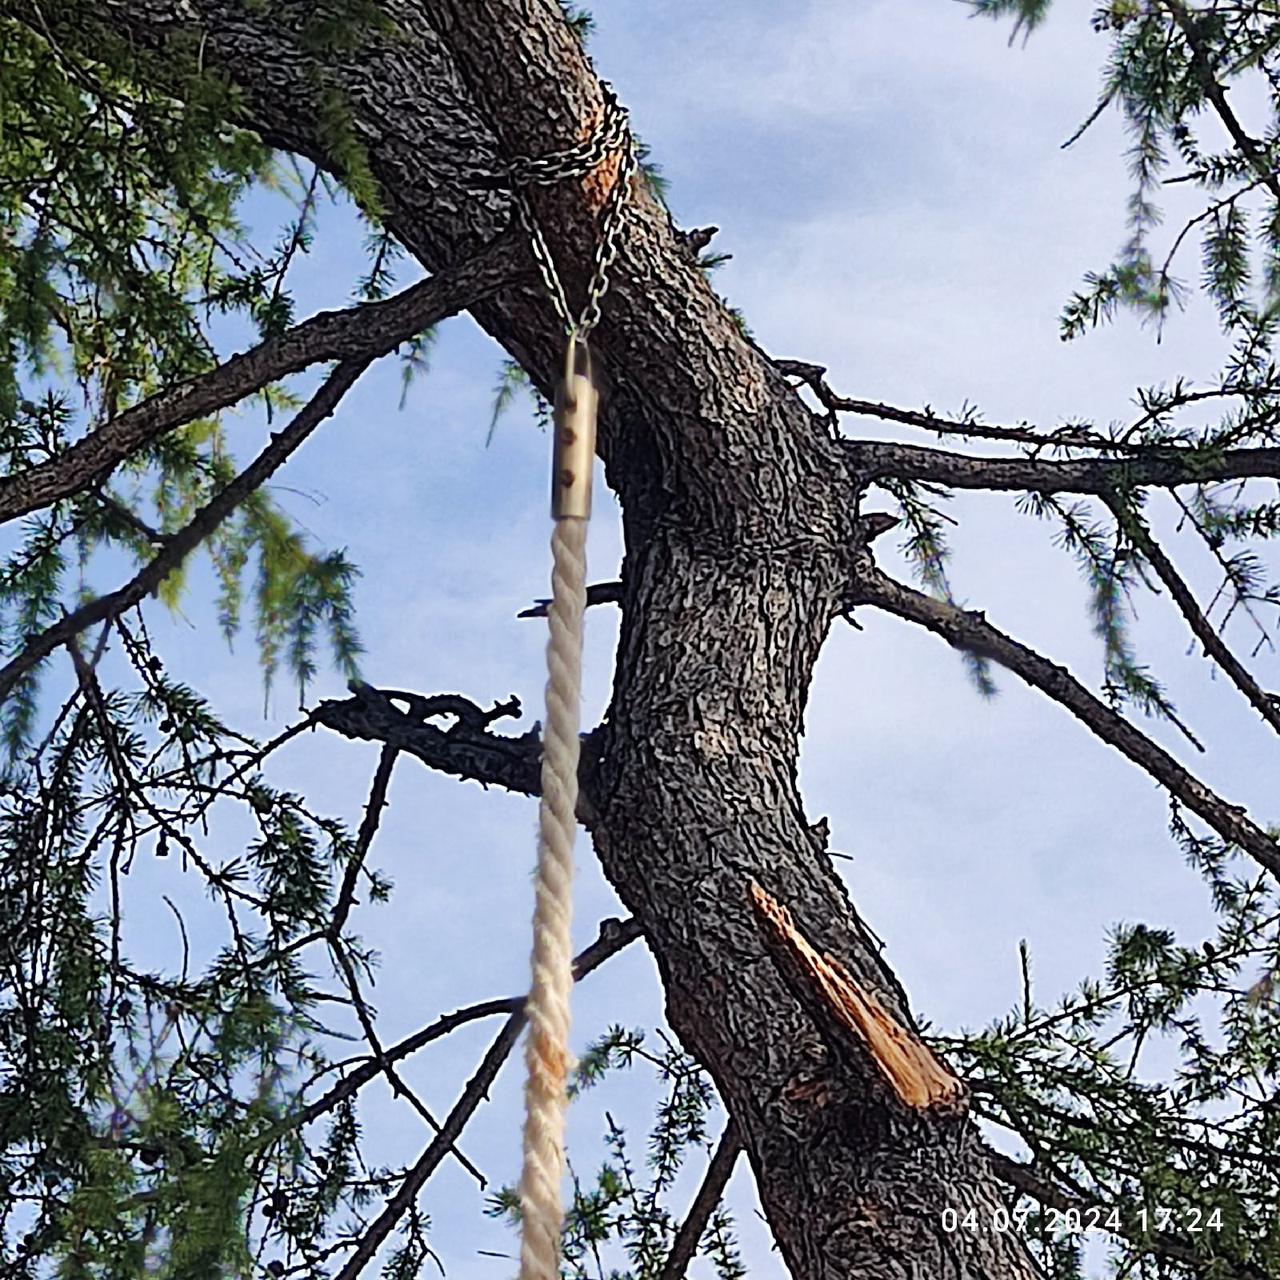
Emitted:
<point x="577" y="162"/>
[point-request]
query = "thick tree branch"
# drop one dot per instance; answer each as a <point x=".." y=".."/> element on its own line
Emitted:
<point x="338" y="949"/>
<point x="970" y="630"/>
<point x="464" y="750"/>
<point x="358" y="334"/>
<point x="1159" y="466"/>
<point x="179" y="545"/>
<point x="440" y="106"/>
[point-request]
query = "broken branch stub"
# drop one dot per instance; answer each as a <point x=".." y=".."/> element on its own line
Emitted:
<point x="914" y="1074"/>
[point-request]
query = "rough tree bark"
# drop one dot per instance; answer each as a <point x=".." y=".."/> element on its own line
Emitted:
<point x="742" y="533"/>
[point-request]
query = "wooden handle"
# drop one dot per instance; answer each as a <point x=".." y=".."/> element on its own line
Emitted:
<point x="577" y="400"/>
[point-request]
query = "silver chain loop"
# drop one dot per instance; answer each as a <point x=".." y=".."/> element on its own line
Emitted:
<point x="577" y="162"/>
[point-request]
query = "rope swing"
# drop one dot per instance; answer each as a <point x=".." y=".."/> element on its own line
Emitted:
<point x="548" y="1058"/>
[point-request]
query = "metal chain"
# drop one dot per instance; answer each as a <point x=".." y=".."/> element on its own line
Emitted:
<point x="576" y="162"/>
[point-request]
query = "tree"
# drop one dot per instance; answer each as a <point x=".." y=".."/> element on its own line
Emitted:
<point x="198" y="1124"/>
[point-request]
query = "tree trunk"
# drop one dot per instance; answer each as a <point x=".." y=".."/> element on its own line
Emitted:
<point x="741" y="538"/>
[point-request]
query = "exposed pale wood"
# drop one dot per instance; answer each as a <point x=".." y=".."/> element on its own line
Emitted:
<point x="911" y="1069"/>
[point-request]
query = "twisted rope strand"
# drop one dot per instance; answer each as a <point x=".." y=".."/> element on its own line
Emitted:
<point x="547" y="1056"/>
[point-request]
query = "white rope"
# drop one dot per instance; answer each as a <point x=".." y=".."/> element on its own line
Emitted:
<point x="547" y="1054"/>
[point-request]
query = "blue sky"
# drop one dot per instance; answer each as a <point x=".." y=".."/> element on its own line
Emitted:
<point x="888" y="177"/>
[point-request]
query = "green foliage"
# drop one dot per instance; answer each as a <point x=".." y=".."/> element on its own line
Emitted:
<point x="1026" y="14"/>
<point x="925" y="546"/>
<point x="1113" y="570"/>
<point x="147" y="1120"/>
<point x="331" y="30"/>
<point x="415" y="360"/>
<point x="151" y="1123"/>
<point x="650" y="170"/>
<point x="118" y="231"/>
<point x="336" y="126"/>
<point x="120" y="243"/>
<point x="335" y="27"/>
<point x="579" y="19"/>
<point x="297" y="591"/>
<point x="1167" y="74"/>
<point x="1196" y="1141"/>
<point x="512" y="381"/>
<point x="144" y="1116"/>
<point x="623" y="1216"/>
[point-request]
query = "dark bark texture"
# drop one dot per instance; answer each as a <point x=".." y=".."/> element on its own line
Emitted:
<point x="741" y="527"/>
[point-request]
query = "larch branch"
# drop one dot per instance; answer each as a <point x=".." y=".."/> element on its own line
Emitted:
<point x="359" y="334"/>
<point x="1028" y="1182"/>
<point x="970" y="630"/>
<point x="1217" y="95"/>
<point x="1266" y="704"/>
<point x="179" y="545"/>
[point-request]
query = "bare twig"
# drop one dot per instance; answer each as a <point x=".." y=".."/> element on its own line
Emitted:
<point x="384" y="1065"/>
<point x="364" y="838"/>
<point x="476" y="1091"/>
<point x="814" y="377"/>
<point x="346" y="897"/>
<point x="614" y="936"/>
<point x="1266" y="704"/>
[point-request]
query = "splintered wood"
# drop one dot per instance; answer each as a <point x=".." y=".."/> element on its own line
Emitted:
<point x="907" y="1064"/>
